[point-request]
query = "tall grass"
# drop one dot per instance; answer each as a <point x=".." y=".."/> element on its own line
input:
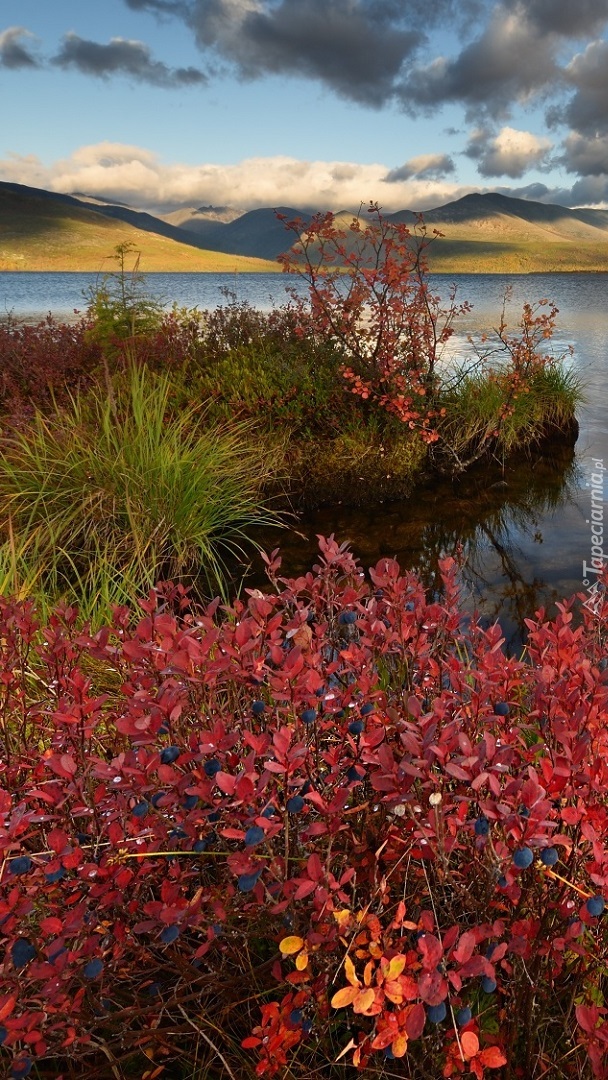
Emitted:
<point x="476" y="415"/>
<point x="116" y="491"/>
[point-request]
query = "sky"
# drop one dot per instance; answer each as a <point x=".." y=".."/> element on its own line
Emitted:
<point x="309" y="104"/>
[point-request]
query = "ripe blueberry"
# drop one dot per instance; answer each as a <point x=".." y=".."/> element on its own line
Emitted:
<point x="169" y="934"/>
<point x="189" y="802"/>
<point x="199" y="845"/>
<point x="367" y="709"/>
<point x="295" y="1016"/>
<point x="212" y="767"/>
<point x="523" y="858"/>
<point x="347" y="618"/>
<point x="258" y="708"/>
<point x="169" y="755"/>
<point x="21" y="1068"/>
<point x="247" y="882"/>
<point x="254" y="835"/>
<point x="436" y="1013"/>
<point x="595" y="905"/>
<point x="501" y="709"/>
<point x="140" y="809"/>
<point x="356" y="727"/>
<point x="488" y="985"/>
<point x="482" y="826"/>
<point x="21" y="865"/>
<point x="309" y="716"/>
<point x="463" y="1016"/>
<point x="55" y="875"/>
<point x="93" y="968"/>
<point x="22" y="952"/>
<point x="295" y="804"/>
<point x="549" y="856"/>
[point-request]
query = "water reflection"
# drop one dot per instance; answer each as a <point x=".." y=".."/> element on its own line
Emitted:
<point x="490" y="518"/>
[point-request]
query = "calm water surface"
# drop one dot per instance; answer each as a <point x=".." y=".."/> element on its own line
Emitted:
<point x="525" y="531"/>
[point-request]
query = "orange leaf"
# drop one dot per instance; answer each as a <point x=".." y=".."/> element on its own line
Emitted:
<point x="343" y="997"/>
<point x="302" y="960"/>
<point x="469" y="1043"/>
<point x="291" y="945"/>
<point x="349" y="971"/>
<point x="364" y="1001"/>
<point x="7" y="1006"/>
<point x="399" y="1046"/>
<point x="492" y="1057"/>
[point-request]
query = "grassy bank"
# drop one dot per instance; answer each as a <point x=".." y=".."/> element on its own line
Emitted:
<point x="139" y="445"/>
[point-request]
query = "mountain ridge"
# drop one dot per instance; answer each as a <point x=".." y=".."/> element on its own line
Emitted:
<point x="481" y="232"/>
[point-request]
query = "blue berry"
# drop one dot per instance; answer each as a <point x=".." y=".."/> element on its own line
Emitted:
<point x="595" y="905"/>
<point x="55" y="875"/>
<point x="367" y="709"/>
<point x="295" y="804"/>
<point x="309" y="716"/>
<point x="215" y="816"/>
<point x="353" y="774"/>
<point x="347" y="618"/>
<point x="356" y="727"/>
<point x="247" y="882"/>
<point x="199" y="845"/>
<point x="463" y="1016"/>
<point x="254" y="835"/>
<point x="502" y="882"/>
<point x="178" y="834"/>
<point x="21" y="1069"/>
<point x="295" y="1016"/>
<point x="488" y="985"/>
<point x="501" y="709"/>
<point x="169" y="755"/>
<point x="212" y="767"/>
<point x="154" y="989"/>
<point x="21" y="865"/>
<point x="156" y="798"/>
<point x="549" y="856"/>
<point x="523" y="858"/>
<point x="436" y="1013"/>
<point x="93" y="969"/>
<point x="189" y="802"/>
<point x="482" y="826"/>
<point x="140" y="809"/>
<point x="258" y="708"/>
<point x="169" y="934"/>
<point x="22" y="952"/>
<point x="268" y="812"/>
<point x="410" y="605"/>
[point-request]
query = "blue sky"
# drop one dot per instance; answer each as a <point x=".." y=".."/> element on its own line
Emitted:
<point x="306" y="103"/>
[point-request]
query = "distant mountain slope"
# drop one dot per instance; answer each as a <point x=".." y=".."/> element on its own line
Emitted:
<point x="258" y="232"/>
<point x="487" y="233"/>
<point x="43" y="230"/>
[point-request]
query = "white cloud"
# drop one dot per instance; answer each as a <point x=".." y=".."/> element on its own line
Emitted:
<point x="509" y="153"/>
<point x="138" y="177"/>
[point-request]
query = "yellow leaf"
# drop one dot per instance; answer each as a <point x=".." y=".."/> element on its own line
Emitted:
<point x="399" y="1046"/>
<point x="368" y="973"/>
<point x="396" y="966"/>
<point x="349" y="971"/>
<point x="375" y="950"/>
<point x="291" y="945"/>
<point x="343" y="997"/>
<point x="302" y="960"/>
<point x="364" y="1000"/>
<point x="343" y="918"/>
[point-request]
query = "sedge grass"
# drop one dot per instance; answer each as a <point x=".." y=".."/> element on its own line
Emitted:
<point x="115" y="492"/>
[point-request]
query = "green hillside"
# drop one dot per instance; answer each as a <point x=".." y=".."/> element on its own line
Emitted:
<point x="42" y="231"/>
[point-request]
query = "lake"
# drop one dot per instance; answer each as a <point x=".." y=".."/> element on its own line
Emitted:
<point x="525" y="531"/>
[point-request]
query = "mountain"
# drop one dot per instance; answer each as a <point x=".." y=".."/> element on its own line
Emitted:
<point x="489" y="233"/>
<point x="44" y="230"/>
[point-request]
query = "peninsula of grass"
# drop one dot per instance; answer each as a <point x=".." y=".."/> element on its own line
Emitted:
<point x="140" y="445"/>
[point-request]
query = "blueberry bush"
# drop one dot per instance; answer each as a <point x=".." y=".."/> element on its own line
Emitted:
<point x="330" y="824"/>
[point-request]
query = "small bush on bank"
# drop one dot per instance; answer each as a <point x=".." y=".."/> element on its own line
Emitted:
<point x="115" y="491"/>
<point x="330" y="822"/>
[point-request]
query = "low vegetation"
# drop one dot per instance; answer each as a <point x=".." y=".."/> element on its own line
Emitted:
<point x="329" y="826"/>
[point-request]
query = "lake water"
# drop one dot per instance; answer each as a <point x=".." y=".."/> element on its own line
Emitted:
<point x="526" y="532"/>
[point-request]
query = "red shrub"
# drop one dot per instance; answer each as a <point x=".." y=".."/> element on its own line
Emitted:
<point x="338" y="806"/>
<point x="42" y="361"/>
